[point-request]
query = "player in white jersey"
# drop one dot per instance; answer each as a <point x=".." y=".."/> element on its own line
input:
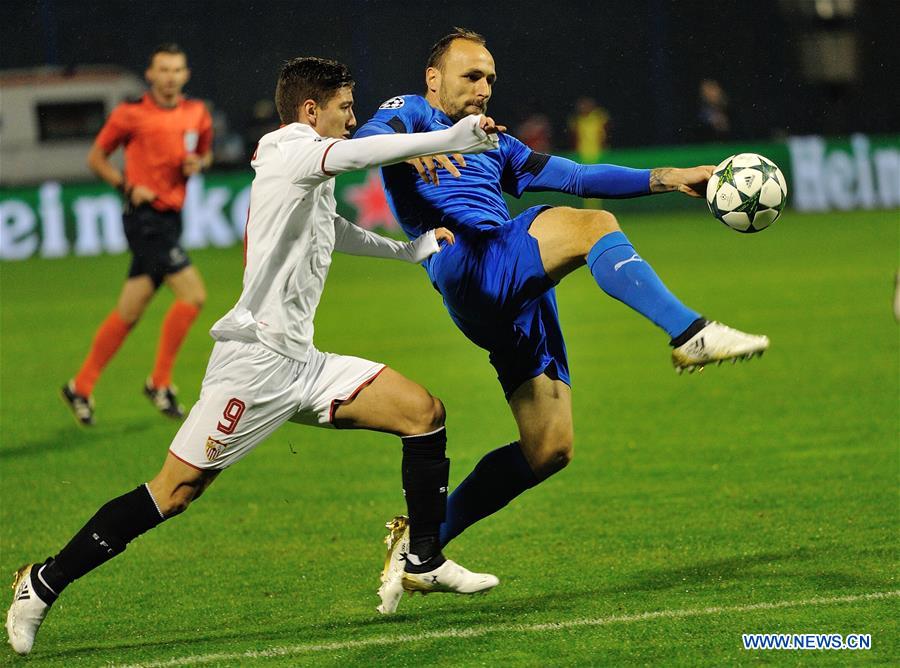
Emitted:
<point x="264" y="369"/>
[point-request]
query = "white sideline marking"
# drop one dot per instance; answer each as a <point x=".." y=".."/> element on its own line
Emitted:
<point x="291" y="650"/>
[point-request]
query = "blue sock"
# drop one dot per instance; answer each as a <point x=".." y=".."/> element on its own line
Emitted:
<point x="622" y="273"/>
<point x="497" y="479"/>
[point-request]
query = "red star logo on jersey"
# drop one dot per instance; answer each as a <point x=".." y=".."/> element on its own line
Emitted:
<point x="371" y="205"/>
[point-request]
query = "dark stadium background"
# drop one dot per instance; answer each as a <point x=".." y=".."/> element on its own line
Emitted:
<point x="641" y="59"/>
<point x="755" y="498"/>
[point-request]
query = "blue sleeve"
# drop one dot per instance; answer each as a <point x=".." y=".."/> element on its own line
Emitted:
<point x="606" y="181"/>
<point x="402" y="114"/>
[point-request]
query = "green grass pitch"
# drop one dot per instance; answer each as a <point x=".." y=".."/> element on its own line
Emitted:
<point x="768" y="482"/>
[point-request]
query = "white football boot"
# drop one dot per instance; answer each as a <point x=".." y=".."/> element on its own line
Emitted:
<point x="717" y="343"/>
<point x="451" y="578"/>
<point x="397" y="541"/>
<point x="26" y="612"/>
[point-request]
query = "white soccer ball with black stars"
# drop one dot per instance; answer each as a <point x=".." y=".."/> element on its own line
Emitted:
<point x="746" y="192"/>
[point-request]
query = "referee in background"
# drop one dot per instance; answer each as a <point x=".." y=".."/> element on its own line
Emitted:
<point x="167" y="138"/>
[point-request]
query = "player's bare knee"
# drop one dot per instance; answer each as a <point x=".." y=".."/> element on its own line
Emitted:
<point x="429" y="415"/>
<point x="602" y="223"/>
<point x="434" y="416"/>
<point x="562" y="449"/>
<point x="550" y="452"/>
<point x="554" y="460"/>
<point x="438" y="413"/>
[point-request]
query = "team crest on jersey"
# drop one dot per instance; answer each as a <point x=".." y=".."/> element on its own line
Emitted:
<point x="214" y="448"/>
<point x="393" y="103"/>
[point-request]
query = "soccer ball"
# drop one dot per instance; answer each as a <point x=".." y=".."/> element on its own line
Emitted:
<point x="746" y="192"/>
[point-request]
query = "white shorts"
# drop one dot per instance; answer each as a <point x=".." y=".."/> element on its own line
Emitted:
<point x="249" y="391"/>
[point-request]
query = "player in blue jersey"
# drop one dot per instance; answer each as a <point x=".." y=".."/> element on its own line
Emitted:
<point x="498" y="280"/>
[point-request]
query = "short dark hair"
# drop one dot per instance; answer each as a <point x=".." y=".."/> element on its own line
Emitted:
<point x="440" y="47"/>
<point x="308" y="78"/>
<point x="167" y="47"/>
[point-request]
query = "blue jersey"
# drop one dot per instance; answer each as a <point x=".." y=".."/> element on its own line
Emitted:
<point x="492" y="279"/>
<point x="473" y="201"/>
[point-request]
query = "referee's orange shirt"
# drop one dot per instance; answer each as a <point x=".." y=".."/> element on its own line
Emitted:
<point x="157" y="140"/>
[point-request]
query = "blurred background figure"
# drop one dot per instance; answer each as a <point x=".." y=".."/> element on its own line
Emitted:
<point x="167" y="138"/>
<point x="589" y="128"/>
<point x="713" y="121"/>
<point x="536" y="133"/>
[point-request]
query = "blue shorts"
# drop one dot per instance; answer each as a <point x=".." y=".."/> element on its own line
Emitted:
<point x="495" y="288"/>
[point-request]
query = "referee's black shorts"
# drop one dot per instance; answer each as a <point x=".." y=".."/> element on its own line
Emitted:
<point x="154" y="238"/>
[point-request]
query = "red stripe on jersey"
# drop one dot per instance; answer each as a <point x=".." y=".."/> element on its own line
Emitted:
<point x="324" y="155"/>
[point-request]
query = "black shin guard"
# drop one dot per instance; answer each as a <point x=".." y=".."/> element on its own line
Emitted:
<point x="104" y="536"/>
<point x="426" y="474"/>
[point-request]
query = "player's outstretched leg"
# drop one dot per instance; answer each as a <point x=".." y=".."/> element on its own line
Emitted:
<point x="106" y="534"/>
<point x="569" y="238"/>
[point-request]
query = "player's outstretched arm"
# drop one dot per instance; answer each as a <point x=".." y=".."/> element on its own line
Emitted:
<point x="472" y="134"/>
<point x="353" y="240"/>
<point x="615" y="182"/>
<point x="602" y="181"/>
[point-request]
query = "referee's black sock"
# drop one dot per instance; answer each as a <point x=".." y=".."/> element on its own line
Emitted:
<point x="426" y="474"/>
<point x="104" y="536"/>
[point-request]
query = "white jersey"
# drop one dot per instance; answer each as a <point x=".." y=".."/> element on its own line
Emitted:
<point x="293" y="226"/>
<point x="288" y="243"/>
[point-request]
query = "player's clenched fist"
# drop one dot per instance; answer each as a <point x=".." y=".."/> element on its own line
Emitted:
<point x="489" y="126"/>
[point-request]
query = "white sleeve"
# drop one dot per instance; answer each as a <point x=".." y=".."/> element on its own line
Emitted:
<point x="300" y="154"/>
<point x="464" y="137"/>
<point x="354" y="240"/>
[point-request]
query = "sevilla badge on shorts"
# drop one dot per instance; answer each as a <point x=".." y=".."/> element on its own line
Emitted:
<point x="214" y="448"/>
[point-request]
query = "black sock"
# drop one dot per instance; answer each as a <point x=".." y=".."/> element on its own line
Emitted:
<point x="425" y="473"/>
<point x="104" y="536"/>
<point x="686" y="335"/>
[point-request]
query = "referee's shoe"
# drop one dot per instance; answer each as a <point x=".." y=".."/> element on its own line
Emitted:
<point x="82" y="407"/>
<point x="165" y="400"/>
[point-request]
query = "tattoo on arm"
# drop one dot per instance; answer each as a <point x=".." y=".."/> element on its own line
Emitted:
<point x="657" y="180"/>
